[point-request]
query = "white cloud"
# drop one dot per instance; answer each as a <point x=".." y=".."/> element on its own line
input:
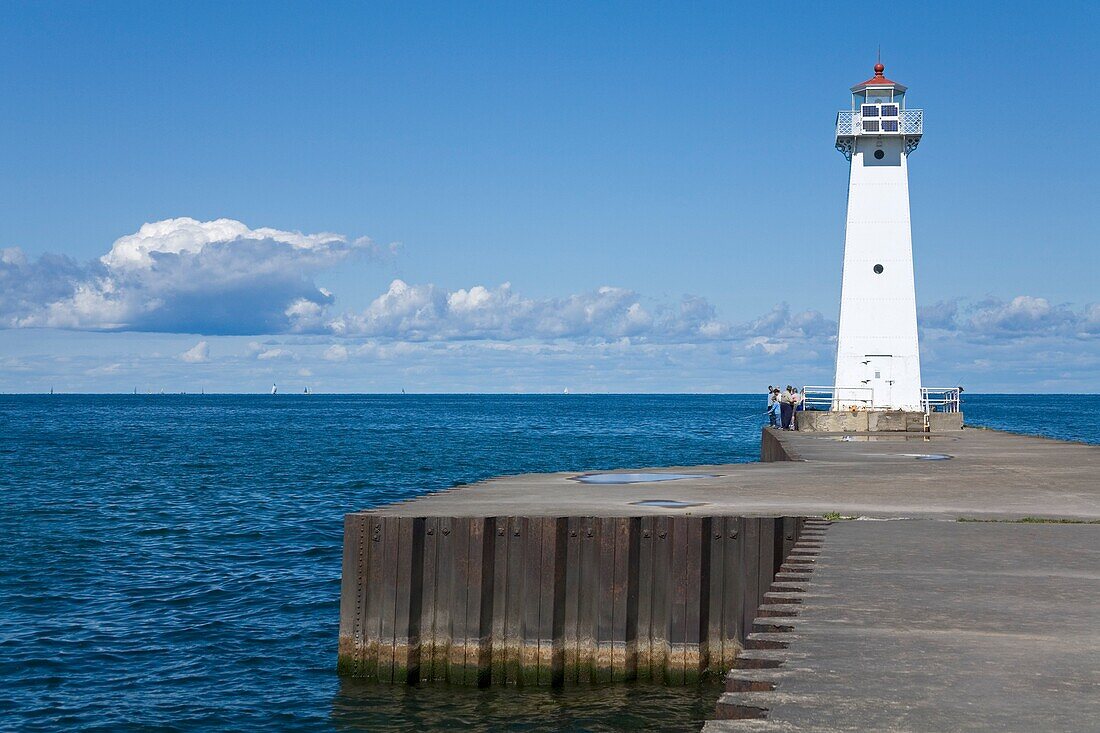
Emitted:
<point x="766" y="345"/>
<point x="1023" y="316"/>
<point x="105" y="370"/>
<point x="185" y="235"/>
<point x="181" y="275"/>
<point x="275" y="353"/>
<point x="336" y="352"/>
<point x="427" y="313"/>
<point x="197" y="354"/>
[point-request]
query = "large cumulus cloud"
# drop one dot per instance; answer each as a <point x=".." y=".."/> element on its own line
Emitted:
<point x="180" y="275"/>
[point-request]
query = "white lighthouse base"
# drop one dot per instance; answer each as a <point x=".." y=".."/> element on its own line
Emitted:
<point x="876" y="421"/>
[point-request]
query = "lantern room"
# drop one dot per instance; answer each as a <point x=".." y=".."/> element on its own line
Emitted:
<point x="878" y="90"/>
<point x="878" y="108"/>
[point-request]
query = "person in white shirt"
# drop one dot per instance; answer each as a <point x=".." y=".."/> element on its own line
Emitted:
<point x="773" y="406"/>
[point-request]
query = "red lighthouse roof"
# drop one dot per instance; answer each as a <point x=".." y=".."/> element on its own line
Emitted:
<point x="878" y="80"/>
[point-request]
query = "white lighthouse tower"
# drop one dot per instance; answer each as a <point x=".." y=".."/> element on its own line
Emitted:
<point x="877" y="357"/>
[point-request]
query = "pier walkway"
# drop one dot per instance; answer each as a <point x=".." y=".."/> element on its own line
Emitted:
<point x="937" y="626"/>
<point x="989" y="474"/>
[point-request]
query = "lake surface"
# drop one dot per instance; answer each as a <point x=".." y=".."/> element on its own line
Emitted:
<point x="173" y="561"/>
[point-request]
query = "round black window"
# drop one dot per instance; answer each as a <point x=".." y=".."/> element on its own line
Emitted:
<point x="878" y="269"/>
<point x="879" y="155"/>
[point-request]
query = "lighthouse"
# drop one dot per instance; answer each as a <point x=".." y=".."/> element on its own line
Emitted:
<point x="877" y="357"/>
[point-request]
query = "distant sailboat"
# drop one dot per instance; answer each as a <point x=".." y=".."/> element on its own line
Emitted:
<point x="274" y="389"/>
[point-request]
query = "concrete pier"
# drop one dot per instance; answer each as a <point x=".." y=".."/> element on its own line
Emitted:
<point x="543" y="579"/>
<point x="920" y="625"/>
<point x="991" y="474"/>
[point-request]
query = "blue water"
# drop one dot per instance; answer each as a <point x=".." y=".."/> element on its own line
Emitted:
<point x="173" y="562"/>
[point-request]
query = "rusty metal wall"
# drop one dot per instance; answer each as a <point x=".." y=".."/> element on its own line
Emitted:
<point x="552" y="600"/>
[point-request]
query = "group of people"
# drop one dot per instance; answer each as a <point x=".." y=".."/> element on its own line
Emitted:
<point x="781" y="406"/>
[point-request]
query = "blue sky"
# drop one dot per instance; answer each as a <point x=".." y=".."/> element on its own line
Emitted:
<point x="527" y="197"/>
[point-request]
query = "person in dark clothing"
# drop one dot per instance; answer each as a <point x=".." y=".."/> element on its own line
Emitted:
<point x="786" y="408"/>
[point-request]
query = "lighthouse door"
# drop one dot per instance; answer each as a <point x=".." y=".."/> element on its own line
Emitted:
<point x="879" y="378"/>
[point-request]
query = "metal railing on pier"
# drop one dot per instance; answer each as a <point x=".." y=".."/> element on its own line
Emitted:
<point x="837" y="398"/>
<point x="941" y="399"/>
<point x="932" y="399"/>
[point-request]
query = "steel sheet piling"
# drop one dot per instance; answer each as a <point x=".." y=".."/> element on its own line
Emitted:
<point x="552" y="600"/>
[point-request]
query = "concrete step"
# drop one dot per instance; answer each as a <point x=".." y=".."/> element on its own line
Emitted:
<point x="754" y="680"/>
<point x="773" y="596"/>
<point x="789" y="623"/>
<point x="760" y="658"/>
<point x="743" y="705"/>
<point x="750" y="725"/>
<point x="768" y="640"/>
<point x="778" y="610"/>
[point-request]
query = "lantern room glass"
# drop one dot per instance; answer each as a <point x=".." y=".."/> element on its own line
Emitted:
<point x="878" y="96"/>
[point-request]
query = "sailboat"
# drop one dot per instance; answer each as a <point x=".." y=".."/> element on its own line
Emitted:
<point x="274" y="389"/>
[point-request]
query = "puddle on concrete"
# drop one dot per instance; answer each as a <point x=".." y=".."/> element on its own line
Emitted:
<point x="635" y="478"/>
<point x="929" y="456"/>
<point x="667" y="503"/>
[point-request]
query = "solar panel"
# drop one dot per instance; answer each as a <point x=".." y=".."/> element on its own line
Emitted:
<point x="870" y="125"/>
<point x="889" y="110"/>
<point x="870" y="110"/>
<point x="889" y="125"/>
